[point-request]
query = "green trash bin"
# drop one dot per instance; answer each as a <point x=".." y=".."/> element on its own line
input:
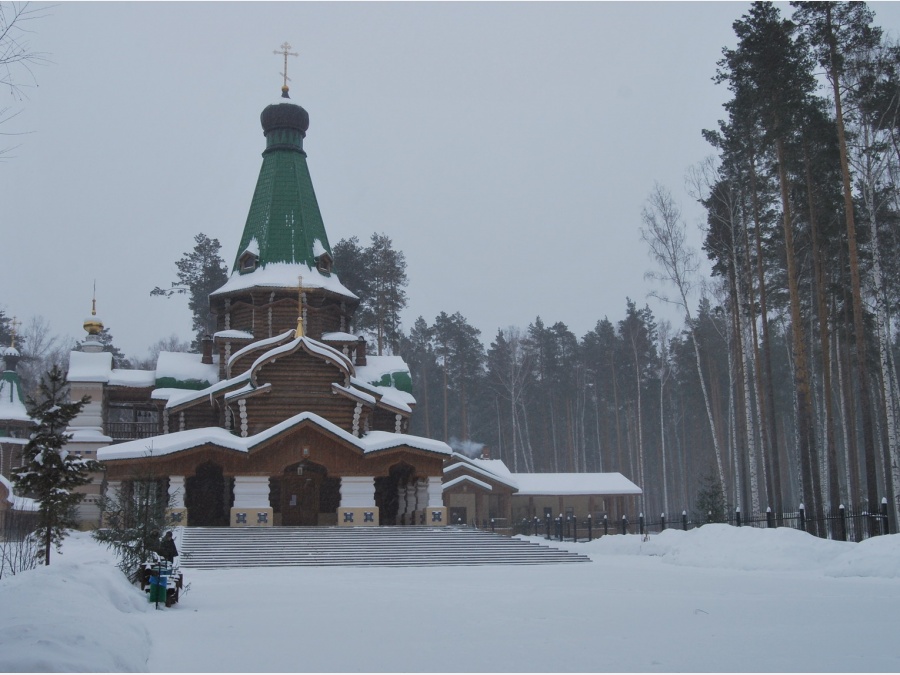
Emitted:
<point x="158" y="584"/>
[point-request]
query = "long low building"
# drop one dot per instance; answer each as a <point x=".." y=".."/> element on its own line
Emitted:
<point x="479" y="490"/>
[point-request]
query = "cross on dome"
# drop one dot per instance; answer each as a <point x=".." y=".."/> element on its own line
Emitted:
<point x="286" y="51"/>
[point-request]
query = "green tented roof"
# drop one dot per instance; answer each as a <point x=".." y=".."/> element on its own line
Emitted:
<point x="284" y="222"/>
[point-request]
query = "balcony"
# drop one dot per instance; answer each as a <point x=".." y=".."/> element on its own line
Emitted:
<point x="131" y="431"/>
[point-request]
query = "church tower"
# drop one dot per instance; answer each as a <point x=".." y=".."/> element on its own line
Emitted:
<point x="283" y="272"/>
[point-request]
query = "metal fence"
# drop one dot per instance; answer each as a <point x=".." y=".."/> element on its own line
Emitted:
<point x="842" y="524"/>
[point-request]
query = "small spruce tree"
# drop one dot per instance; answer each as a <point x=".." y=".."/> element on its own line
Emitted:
<point x="710" y="505"/>
<point x="133" y="521"/>
<point x="49" y="473"/>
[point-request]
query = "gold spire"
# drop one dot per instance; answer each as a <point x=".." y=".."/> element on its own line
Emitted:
<point x="286" y="50"/>
<point x="92" y="324"/>
<point x="299" y="331"/>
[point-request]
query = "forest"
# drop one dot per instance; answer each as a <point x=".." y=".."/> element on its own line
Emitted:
<point x="779" y="388"/>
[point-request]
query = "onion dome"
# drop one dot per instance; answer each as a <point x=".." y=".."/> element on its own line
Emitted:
<point x="284" y="125"/>
<point x="11" y="358"/>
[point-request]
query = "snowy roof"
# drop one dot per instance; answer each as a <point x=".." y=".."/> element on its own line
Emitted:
<point x="177" y="397"/>
<point x="87" y="435"/>
<point x="18" y="503"/>
<point x="310" y="346"/>
<point x="258" y="345"/>
<point x="284" y="275"/>
<point x="89" y="366"/>
<point x="132" y="378"/>
<point x="340" y="336"/>
<point x="471" y="466"/>
<point x="467" y="479"/>
<point x="574" y="484"/>
<point x="193" y="438"/>
<point x="233" y="335"/>
<point x="182" y="367"/>
<point x="11" y="405"/>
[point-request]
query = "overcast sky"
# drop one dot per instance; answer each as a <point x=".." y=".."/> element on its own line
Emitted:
<point x="506" y="148"/>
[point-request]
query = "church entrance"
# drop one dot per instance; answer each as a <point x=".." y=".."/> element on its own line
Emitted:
<point x="391" y="494"/>
<point x="308" y="496"/>
<point x="208" y="496"/>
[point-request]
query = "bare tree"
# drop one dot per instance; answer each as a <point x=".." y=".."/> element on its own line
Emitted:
<point x="17" y="58"/>
<point x="664" y="232"/>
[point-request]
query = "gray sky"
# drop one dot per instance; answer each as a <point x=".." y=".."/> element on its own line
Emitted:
<point x="506" y="148"/>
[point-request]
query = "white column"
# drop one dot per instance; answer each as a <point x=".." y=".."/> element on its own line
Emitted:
<point x="251" y="492"/>
<point x="435" y="491"/>
<point x="357" y="491"/>
<point x="113" y="494"/>
<point x="176" y="492"/>
<point x="421" y="494"/>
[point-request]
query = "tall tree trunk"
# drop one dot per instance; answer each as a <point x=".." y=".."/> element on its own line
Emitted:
<point x="771" y="430"/>
<point x="834" y="496"/>
<point x="855" y="283"/>
<point x="805" y="435"/>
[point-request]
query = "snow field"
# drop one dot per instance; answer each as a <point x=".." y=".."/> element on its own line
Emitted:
<point x="714" y="599"/>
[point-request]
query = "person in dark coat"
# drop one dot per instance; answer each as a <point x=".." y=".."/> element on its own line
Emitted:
<point x="167" y="548"/>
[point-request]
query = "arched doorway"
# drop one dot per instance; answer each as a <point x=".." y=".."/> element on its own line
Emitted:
<point x="388" y="493"/>
<point x="308" y="496"/>
<point x="208" y="496"/>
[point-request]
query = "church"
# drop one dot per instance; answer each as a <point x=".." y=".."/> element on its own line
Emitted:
<point x="284" y="419"/>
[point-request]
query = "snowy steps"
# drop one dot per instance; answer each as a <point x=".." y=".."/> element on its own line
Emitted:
<point x="223" y="547"/>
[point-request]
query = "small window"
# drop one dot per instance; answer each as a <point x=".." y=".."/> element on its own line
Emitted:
<point x="323" y="263"/>
<point x="248" y="262"/>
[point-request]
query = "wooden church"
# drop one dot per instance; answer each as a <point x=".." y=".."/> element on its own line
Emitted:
<point x="283" y="419"/>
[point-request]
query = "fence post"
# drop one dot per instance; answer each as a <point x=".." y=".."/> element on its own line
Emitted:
<point x="641" y="523"/>
<point x="605" y="524"/>
<point x="560" y="521"/>
<point x="662" y="522"/>
<point x="803" y="517"/>
<point x="770" y="517"/>
<point x="885" y="525"/>
<point x="624" y="524"/>
<point x="574" y="528"/>
<point x="737" y="516"/>
<point x="492" y="524"/>
<point x="684" y="520"/>
<point x="547" y="520"/>
<point x="843" y="513"/>
<point x="709" y="516"/>
<point x="590" y="531"/>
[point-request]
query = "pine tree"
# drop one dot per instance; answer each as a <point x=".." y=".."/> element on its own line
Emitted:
<point x="200" y="272"/>
<point x="49" y="473"/>
<point x="133" y="521"/>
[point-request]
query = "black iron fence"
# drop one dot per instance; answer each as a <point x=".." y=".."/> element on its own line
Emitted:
<point x="843" y="524"/>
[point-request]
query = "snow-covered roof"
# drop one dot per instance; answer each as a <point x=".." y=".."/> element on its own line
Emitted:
<point x="259" y="345"/>
<point x="311" y="346"/>
<point x="132" y="378"/>
<point x="574" y="484"/>
<point x="193" y="438"/>
<point x="340" y="336"/>
<point x="89" y="366"/>
<point x="284" y="275"/>
<point x="466" y="479"/>
<point x="233" y="335"/>
<point x="18" y="503"/>
<point x="178" y="397"/>
<point x="183" y="367"/>
<point x="471" y="466"/>
<point x="11" y="406"/>
<point x="97" y="367"/>
<point x="87" y="435"/>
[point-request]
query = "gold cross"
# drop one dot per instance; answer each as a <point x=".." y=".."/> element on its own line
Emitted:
<point x="286" y="50"/>
<point x="299" y="331"/>
<point x="13" y="329"/>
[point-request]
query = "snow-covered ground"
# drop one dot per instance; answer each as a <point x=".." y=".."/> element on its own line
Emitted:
<point x="715" y="599"/>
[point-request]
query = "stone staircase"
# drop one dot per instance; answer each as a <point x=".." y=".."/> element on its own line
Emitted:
<point x="221" y="547"/>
